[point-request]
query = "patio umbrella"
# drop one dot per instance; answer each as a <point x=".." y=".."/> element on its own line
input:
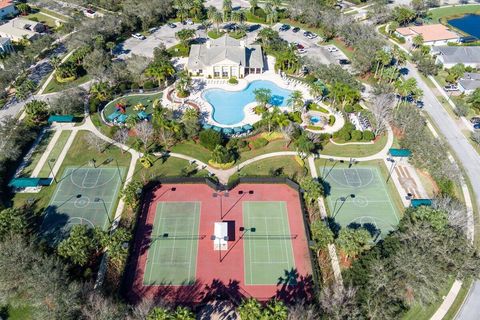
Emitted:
<point x="237" y="130"/>
<point x="207" y="126"/>
<point x="218" y="129"/>
<point x="228" y="130"/>
<point x="247" y="127"/>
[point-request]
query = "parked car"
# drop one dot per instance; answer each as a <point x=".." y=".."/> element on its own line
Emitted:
<point x="138" y="36"/>
<point x="332" y="49"/>
<point x="309" y="35"/>
<point x="189" y="21"/>
<point x="343" y="61"/>
<point x="296" y="29"/>
<point x="476" y="126"/>
<point x="284" y="27"/>
<point x="171" y="25"/>
<point x="450" y="87"/>
<point x="152" y="30"/>
<point x="253" y="27"/>
<point x="475" y="120"/>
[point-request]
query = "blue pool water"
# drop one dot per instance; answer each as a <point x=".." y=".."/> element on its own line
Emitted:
<point x="469" y="24"/>
<point x="228" y="105"/>
<point x="315" y="119"/>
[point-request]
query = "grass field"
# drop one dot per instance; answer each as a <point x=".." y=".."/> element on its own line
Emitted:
<point x="172" y="254"/>
<point x="83" y="196"/>
<point x="355" y="150"/>
<point x="359" y="196"/>
<point x="40" y="17"/>
<point x="268" y="251"/>
<point x="37" y="154"/>
<point x="54" y="153"/>
<point x="455" y="11"/>
<point x="54" y="86"/>
<point x="286" y="166"/>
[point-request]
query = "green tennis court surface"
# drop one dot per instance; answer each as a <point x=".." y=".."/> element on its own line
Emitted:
<point x="268" y="251"/>
<point x="359" y="197"/>
<point x="83" y="196"/>
<point x="172" y="255"/>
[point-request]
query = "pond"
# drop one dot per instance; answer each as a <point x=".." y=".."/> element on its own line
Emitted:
<point x="468" y="24"/>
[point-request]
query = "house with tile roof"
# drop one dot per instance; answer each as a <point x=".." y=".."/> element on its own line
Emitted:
<point x="225" y="57"/>
<point x="432" y="34"/>
<point x="449" y="56"/>
<point x="7" y="9"/>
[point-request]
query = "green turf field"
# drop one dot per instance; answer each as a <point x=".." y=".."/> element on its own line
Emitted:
<point x="172" y="254"/>
<point x="359" y="196"/>
<point x="83" y="196"/>
<point x="268" y="251"/>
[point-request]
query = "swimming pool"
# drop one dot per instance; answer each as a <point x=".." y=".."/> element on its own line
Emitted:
<point x="228" y="105"/>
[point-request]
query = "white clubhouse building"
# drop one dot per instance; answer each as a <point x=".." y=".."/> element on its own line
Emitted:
<point x="225" y="57"/>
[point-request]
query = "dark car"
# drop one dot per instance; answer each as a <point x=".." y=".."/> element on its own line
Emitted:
<point x="343" y="61"/>
<point x="284" y="27"/>
<point x="296" y="29"/>
<point x="476" y="126"/>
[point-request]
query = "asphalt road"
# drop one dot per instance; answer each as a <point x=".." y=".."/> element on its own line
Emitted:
<point x="469" y="159"/>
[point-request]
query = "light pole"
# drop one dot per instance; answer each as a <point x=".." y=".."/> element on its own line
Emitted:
<point x="343" y="200"/>
<point x="51" y="169"/>
<point x="105" y="207"/>
<point x="214" y="237"/>
<point x="325" y="164"/>
<point x="392" y="167"/>
<point x="118" y="167"/>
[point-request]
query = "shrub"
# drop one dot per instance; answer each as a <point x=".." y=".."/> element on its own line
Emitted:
<point x="238" y="144"/>
<point x="259" y="143"/>
<point x="149" y="85"/>
<point x="446" y="187"/>
<point x="94" y="105"/>
<point x="356" y="135"/>
<point x="368" y="135"/>
<point x="348" y="108"/>
<point x="210" y="139"/>
<point x="260" y="13"/>
<point x="331" y="120"/>
<point x="295" y="117"/>
<point x="135" y="86"/>
<point x="233" y="80"/>
<point x="222" y="155"/>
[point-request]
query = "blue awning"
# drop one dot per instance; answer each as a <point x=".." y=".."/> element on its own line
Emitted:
<point x="237" y="129"/>
<point x="228" y="130"/>
<point x="218" y="129"/>
<point x="60" y="118"/>
<point x="207" y="126"/>
<point x="247" y="127"/>
<point x="400" y="153"/>
<point x="421" y="202"/>
<point x="24" y="182"/>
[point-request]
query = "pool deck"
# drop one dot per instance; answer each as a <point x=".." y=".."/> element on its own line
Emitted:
<point x="201" y="84"/>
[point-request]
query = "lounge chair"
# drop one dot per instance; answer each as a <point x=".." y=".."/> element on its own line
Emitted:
<point x="142" y="115"/>
<point x="122" y="118"/>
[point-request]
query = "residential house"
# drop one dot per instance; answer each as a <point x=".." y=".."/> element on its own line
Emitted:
<point x="433" y="34"/>
<point x="7" y="9"/>
<point x="469" y="82"/>
<point x="20" y="28"/>
<point x="5" y="46"/>
<point x="449" y="56"/>
<point x="225" y="57"/>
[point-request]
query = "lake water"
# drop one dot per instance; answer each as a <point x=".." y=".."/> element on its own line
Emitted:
<point x="469" y="23"/>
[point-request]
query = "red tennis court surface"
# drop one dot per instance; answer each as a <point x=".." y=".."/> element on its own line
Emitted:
<point x="213" y="278"/>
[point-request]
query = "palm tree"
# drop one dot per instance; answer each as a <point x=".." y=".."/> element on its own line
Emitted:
<point x="295" y="100"/>
<point x="253" y="6"/>
<point x="217" y="19"/>
<point x="183" y="7"/>
<point x="276" y="310"/>
<point x="206" y="25"/>
<point x="317" y="89"/>
<point x="383" y="59"/>
<point x="250" y="309"/>
<point x="183" y="83"/>
<point x="184" y="36"/>
<point x="406" y="88"/>
<point x="101" y="91"/>
<point x="197" y="9"/>
<point x="55" y="62"/>
<point x="161" y="71"/>
<point x="182" y="313"/>
<point x="262" y="96"/>
<point x="288" y="61"/>
<point x="303" y="145"/>
<point x="227" y="9"/>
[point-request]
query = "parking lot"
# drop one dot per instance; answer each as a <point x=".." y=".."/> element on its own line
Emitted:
<point x="166" y="35"/>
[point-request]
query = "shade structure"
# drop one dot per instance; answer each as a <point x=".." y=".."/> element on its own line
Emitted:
<point x="60" y="118"/>
<point x="228" y="130"/>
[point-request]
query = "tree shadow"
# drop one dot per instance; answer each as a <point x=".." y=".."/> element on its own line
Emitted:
<point x="294" y="287"/>
<point x="327" y="187"/>
<point x="334" y="226"/>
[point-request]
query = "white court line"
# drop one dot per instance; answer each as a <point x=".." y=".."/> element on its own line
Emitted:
<point x="347" y="176"/>
<point x="249" y="246"/>
<point x="191" y="245"/>
<point x="266" y="231"/>
<point x="155" y="245"/>
<point x="284" y="229"/>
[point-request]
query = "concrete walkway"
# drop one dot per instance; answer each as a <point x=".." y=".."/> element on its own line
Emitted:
<point x="46" y="153"/>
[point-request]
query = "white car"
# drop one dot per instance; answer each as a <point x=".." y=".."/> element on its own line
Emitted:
<point x="332" y="49"/>
<point x="189" y="21"/>
<point x="450" y="87"/>
<point x="138" y="36"/>
<point x="301" y="51"/>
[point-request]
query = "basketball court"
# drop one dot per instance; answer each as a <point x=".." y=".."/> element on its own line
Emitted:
<point x="83" y="196"/>
<point x="172" y="256"/>
<point x="358" y="196"/>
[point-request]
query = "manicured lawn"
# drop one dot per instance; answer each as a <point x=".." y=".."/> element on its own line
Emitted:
<point x="55" y="14"/>
<point x="40" y="17"/>
<point x="179" y="50"/>
<point x="170" y="167"/>
<point x="19" y="312"/>
<point x="54" y="86"/>
<point x="455" y="11"/>
<point x="193" y="150"/>
<point x="214" y="34"/>
<point x="355" y="150"/>
<point x="253" y="18"/>
<point x="286" y="166"/>
<point x="37" y="154"/>
<point x="57" y="149"/>
<point x="272" y="146"/>
<point x="131" y="101"/>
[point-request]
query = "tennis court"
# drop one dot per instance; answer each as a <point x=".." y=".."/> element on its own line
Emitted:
<point x="268" y="250"/>
<point x="359" y="197"/>
<point x="172" y="254"/>
<point x="83" y="196"/>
